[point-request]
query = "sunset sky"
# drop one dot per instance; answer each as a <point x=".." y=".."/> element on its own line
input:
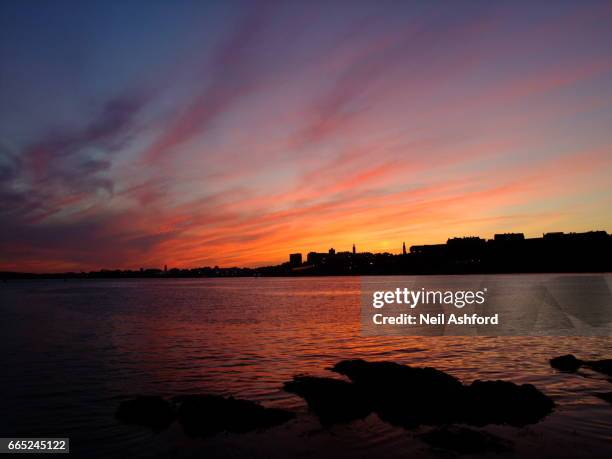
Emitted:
<point x="226" y="133"/>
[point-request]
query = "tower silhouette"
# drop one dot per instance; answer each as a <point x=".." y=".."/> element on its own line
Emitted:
<point x="353" y="248"/>
<point x="404" y="248"/>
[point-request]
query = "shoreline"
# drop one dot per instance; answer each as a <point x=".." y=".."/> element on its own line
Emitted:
<point x="95" y="276"/>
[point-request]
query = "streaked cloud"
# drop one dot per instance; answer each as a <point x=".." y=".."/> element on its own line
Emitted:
<point x="248" y="131"/>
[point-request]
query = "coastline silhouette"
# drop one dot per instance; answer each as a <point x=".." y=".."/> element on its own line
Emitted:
<point x="554" y="252"/>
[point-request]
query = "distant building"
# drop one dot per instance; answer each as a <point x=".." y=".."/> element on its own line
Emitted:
<point x="315" y="258"/>
<point x="403" y="248"/>
<point x="509" y="237"/>
<point x="432" y="249"/>
<point x="354" y="250"/>
<point x="165" y="268"/>
<point x="295" y="259"/>
<point x="469" y="248"/>
<point x="465" y="241"/>
<point x="591" y="235"/>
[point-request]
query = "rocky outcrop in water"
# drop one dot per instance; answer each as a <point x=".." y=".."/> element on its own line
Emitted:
<point x="399" y="394"/>
<point x="149" y="411"/>
<point x="601" y="366"/>
<point x="332" y="400"/>
<point x="201" y="415"/>
<point x="570" y="363"/>
<point x="503" y="402"/>
<point x="204" y="415"/>
<point x="412" y="396"/>
<point x="404" y="395"/>
<point x="567" y="363"/>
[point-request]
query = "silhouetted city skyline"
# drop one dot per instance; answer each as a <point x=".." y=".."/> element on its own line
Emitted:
<point x="589" y="251"/>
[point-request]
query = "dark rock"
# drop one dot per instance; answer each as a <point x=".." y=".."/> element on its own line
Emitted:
<point x="567" y="363"/>
<point x="404" y="395"/>
<point x="503" y="402"/>
<point x="375" y="375"/>
<point x="149" y="411"/>
<point x="607" y="396"/>
<point x="462" y="440"/>
<point x="201" y="415"/>
<point x="570" y="363"/>
<point x="411" y="396"/>
<point x="332" y="400"/>
<point x="204" y="415"/>
<point x="600" y="366"/>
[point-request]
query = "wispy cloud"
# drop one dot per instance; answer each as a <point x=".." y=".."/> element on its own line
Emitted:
<point x="293" y="131"/>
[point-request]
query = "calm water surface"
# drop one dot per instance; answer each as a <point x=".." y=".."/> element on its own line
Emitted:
<point x="73" y="350"/>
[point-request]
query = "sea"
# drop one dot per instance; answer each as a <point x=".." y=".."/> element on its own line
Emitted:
<point x="73" y="350"/>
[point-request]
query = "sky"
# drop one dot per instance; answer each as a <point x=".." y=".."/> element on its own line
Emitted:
<point x="143" y="133"/>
